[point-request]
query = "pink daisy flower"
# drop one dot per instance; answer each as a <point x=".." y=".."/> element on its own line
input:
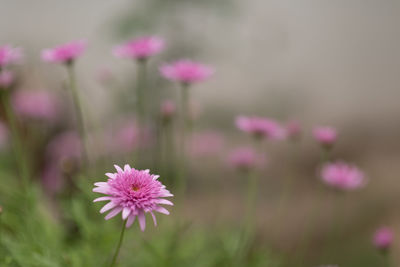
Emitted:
<point x="293" y="130"/>
<point x="168" y="109"/>
<point x="65" y="53"/>
<point x="260" y="127"/>
<point x="383" y="238"/>
<point x="134" y="193"/>
<point x="140" y="48"/>
<point x="325" y="135"/>
<point x="6" y="79"/>
<point x="342" y="176"/>
<point x="186" y="71"/>
<point x="36" y="104"/>
<point x="9" y="55"/>
<point x="245" y="159"/>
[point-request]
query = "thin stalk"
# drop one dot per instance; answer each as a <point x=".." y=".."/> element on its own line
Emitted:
<point x="121" y="237"/>
<point x="386" y="258"/>
<point x="183" y="138"/>
<point x="140" y="91"/>
<point x="78" y="110"/>
<point x="20" y="155"/>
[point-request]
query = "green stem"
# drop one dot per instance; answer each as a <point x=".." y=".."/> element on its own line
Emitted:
<point x="140" y="91"/>
<point x="183" y="145"/>
<point x="78" y="110"/>
<point x="121" y="237"/>
<point x="20" y="156"/>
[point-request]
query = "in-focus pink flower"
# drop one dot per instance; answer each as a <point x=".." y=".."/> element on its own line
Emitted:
<point x="140" y="48"/>
<point x="3" y="134"/>
<point x="65" y="53"/>
<point x="6" y="79"/>
<point x="206" y="143"/>
<point x="134" y="193"/>
<point x="342" y="176"/>
<point x="325" y="135"/>
<point x="293" y="130"/>
<point x="168" y="109"/>
<point x="383" y="238"/>
<point x="186" y="71"/>
<point x="245" y="159"/>
<point x="36" y="104"/>
<point x="261" y="127"/>
<point x="9" y="55"/>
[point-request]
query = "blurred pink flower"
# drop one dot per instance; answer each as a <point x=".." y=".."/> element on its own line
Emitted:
<point x="66" y="146"/>
<point x="293" y="130"/>
<point x="36" y="104"/>
<point x="65" y="53"/>
<point x="186" y="71"/>
<point x="206" y="143"/>
<point x="9" y="55"/>
<point x="383" y="238"/>
<point x="134" y="193"/>
<point x="52" y="178"/>
<point x="245" y="159"/>
<point x="3" y="135"/>
<point x="168" y="109"/>
<point x="6" y="79"/>
<point x="123" y="137"/>
<point x="261" y="127"/>
<point x="325" y="135"/>
<point x="139" y="48"/>
<point x="342" y="176"/>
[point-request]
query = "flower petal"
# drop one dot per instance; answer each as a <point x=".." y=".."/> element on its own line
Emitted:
<point x="101" y="184"/>
<point x="142" y="221"/>
<point x="130" y="220"/>
<point x="162" y="210"/>
<point x="111" y="175"/>
<point x="108" y="206"/>
<point x="102" y="199"/>
<point x="164" y="201"/>
<point x="154" y="218"/>
<point x="125" y="213"/>
<point x="118" y="168"/>
<point x="102" y="190"/>
<point x="113" y="213"/>
<point x="127" y="167"/>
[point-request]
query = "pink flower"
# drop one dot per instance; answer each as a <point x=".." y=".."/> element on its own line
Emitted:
<point x="36" y="104"/>
<point x="206" y="143"/>
<point x="168" y="109"/>
<point x="134" y="193"/>
<point x="245" y="159"/>
<point x="66" y="146"/>
<point x="65" y="53"/>
<point x="260" y="127"/>
<point x="293" y="130"/>
<point x="6" y="78"/>
<point x="383" y="238"/>
<point x="140" y="48"/>
<point x="3" y="134"/>
<point x="52" y="178"/>
<point x="186" y="71"/>
<point x="9" y="55"/>
<point x="342" y="176"/>
<point x="325" y="135"/>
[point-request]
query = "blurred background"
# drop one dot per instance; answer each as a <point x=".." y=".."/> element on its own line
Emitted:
<point x="319" y="62"/>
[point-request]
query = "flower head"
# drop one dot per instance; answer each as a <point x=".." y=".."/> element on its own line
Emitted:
<point x="245" y="159"/>
<point x="325" y="135"/>
<point x="134" y="193"/>
<point x="36" y="104"/>
<point x="293" y="130"/>
<point x="9" y="55"/>
<point x="6" y="78"/>
<point x="260" y="127"/>
<point x="65" y="53"/>
<point x="168" y="109"/>
<point x="140" y="48"/>
<point x="383" y="238"/>
<point x="186" y="71"/>
<point x="342" y="176"/>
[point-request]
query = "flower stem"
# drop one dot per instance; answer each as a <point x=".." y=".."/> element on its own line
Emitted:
<point x="184" y="129"/>
<point x="20" y="156"/>
<point x="121" y="237"/>
<point x="140" y="91"/>
<point x="78" y="109"/>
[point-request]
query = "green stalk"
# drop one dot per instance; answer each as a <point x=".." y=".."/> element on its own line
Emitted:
<point x="20" y="155"/>
<point x="121" y="237"/>
<point x="78" y="110"/>
<point x="183" y="140"/>
<point x="140" y="91"/>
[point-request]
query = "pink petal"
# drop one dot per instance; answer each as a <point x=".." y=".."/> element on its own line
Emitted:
<point x="127" y="167"/>
<point x="142" y="221"/>
<point x="164" y="201"/>
<point x="102" y="190"/>
<point x="154" y="218"/>
<point x="111" y="175"/>
<point x="118" y="168"/>
<point x="101" y="184"/>
<point x="125" y="213"/>
<point x="162" y="210"/>
<point x="108" y="206"/>
<point x="102" y="199"/>
<point x="113" y="213"/>
<point x="130" y="220"/>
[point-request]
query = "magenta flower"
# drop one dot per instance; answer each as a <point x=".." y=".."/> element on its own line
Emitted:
<point x="206" y="143"/>
<point x="261" y="127"/>
<point x="134" y="193"/>
<point x="383" y="238"/>
<point x="65" y="53"/>
<point x="245" y="159"/>
<point x="325" y="135"/>
<point x="3" y="134"/>
<point x="140" y="48"/>
<point x="186" y="71"/>
<point x="293" y="130"/>
<point x="168" y="109"/>
<point x="342" y="176"/>
<point x="66" y="146"/>
<point x="9" y="55"/>
<point x="6" y="78"/>
<point x="36" y="104"/>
